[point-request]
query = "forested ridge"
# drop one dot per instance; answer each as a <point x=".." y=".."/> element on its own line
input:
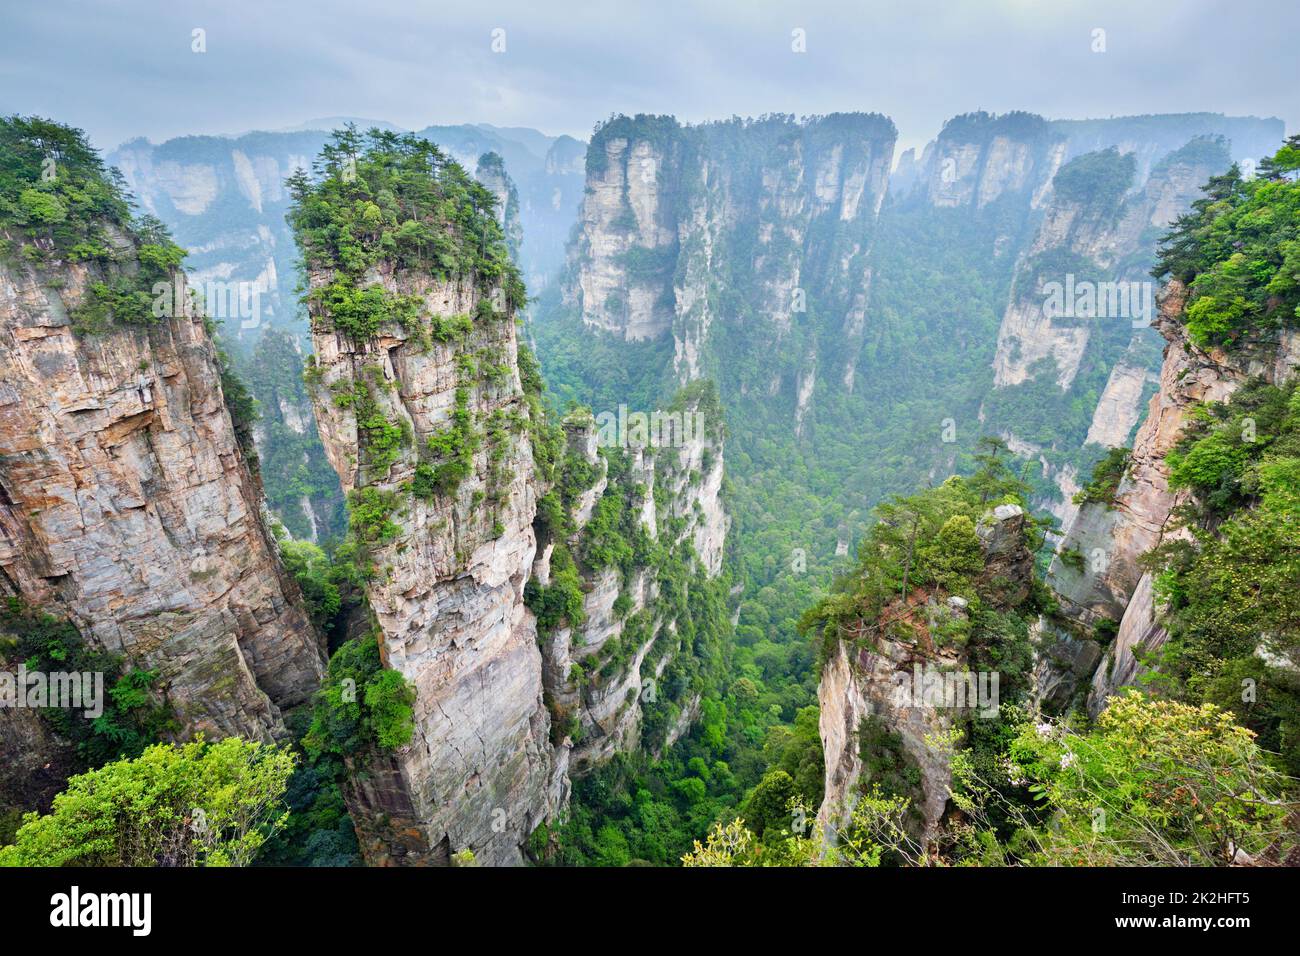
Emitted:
<point x="832" y="552"/>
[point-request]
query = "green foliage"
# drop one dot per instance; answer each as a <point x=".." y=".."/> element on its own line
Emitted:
<point x="389" y="699"/>
<point x="603" y="544"/>
<point x="361" y="705"/>
<point x="1169" y="780"/>
<point x="59" y="202"/>
<point x="361" y="313"/>
<point x="381" y="439"/>
<point x="452" y="451"/>
<point x="196" y="804"/>
<point x="318" y="831"/>
<point x="1232" y="607"/>
<point x="768" y="804"/>
<point x="54" y="188"/>
<point x="926" y="541"/>
<point x="875" y="826"/>
<point x="1106" y="476"/>
<point x="317" y="578"/>
<point x="558" y="603"/>
<point x="1097" y="180"/>
<point x="370" y="516"/>
<point x="131" y="719"/>
<point x="383" y="196"/>
<point x="1239" y="251"/>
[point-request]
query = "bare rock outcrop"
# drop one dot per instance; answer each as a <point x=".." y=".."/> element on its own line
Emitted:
<point x="448" y="588"/>
<point x="877" y="683"/>
<point x="127" y="506"/>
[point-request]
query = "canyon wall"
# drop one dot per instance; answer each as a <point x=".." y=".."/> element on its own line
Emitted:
<point x="1074" y="334"/>
<point x="604" y="674"/>
<point x="127" y="505"/>
<point x="675" y="234"/>
<point x="1110" y="537"/>
<point x="447" y="589"/>
<point x="847" y="312"/>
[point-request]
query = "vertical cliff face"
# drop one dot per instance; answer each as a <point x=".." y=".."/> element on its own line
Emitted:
<point x="1092" y="231"/>
<point x="491" y="172"/>
<point x="520" y="662"/>
<point x="447" y="590"/>
<point x="867" y="693"/>
<point x="1073" y="339"/>
<point x="423" y="414"/>
<point x="619" y="680"/>
<point x="1109" y="584"/>
<point x="128" y="506"/>
<point x="672" y="224"/>
<point x="626" y="253"/>
<point x="979" y="158"/>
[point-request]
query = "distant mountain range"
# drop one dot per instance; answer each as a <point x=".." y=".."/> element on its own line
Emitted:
<point x="224" y="199"/>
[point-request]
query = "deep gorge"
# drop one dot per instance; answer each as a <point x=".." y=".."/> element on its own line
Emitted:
<point x="546" y="650"/>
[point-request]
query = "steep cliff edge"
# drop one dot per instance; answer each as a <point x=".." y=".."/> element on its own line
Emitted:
<point x="1109" y="583"/>
<point x="902" y="676"/>
<point x="127" y="504"/>
<point x="1167" y="514"/>
<point x="641" y="525"/>
<point x="422" y="411"/>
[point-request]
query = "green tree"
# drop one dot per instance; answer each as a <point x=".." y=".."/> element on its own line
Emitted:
<point x="194" y="804"/>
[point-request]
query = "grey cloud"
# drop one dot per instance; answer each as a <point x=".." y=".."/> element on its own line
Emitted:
<point x="126" y="69"/>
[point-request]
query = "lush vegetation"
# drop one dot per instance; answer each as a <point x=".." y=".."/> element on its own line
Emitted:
<point x="1202" y="769"/>
<point x="638" y="809"/>
<point x="131" y="718"/>
<point x="1239" y="251"/>
<point x="1233" y="610"/>
<point x="196" y="804"/>
<point x="649" y="807"/>
<point x="924" y="543"/>
<point x="395" y="198"/>
<point x="59" y="203"/>
<point x="1154" y="783"/>
<point x="362" y="704"/>
<point x="1106" y="475"/>
<point x="1097" y="180"/>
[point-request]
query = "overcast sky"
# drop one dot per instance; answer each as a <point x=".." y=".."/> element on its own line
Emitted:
<point x="126" y="68"/>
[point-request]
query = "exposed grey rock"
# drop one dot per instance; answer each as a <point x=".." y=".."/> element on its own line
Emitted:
<point x="448" y="597"/>
<point x="1062" y="667"/>
<point x="860" y="682"/>
<point x="127" y="507"/>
